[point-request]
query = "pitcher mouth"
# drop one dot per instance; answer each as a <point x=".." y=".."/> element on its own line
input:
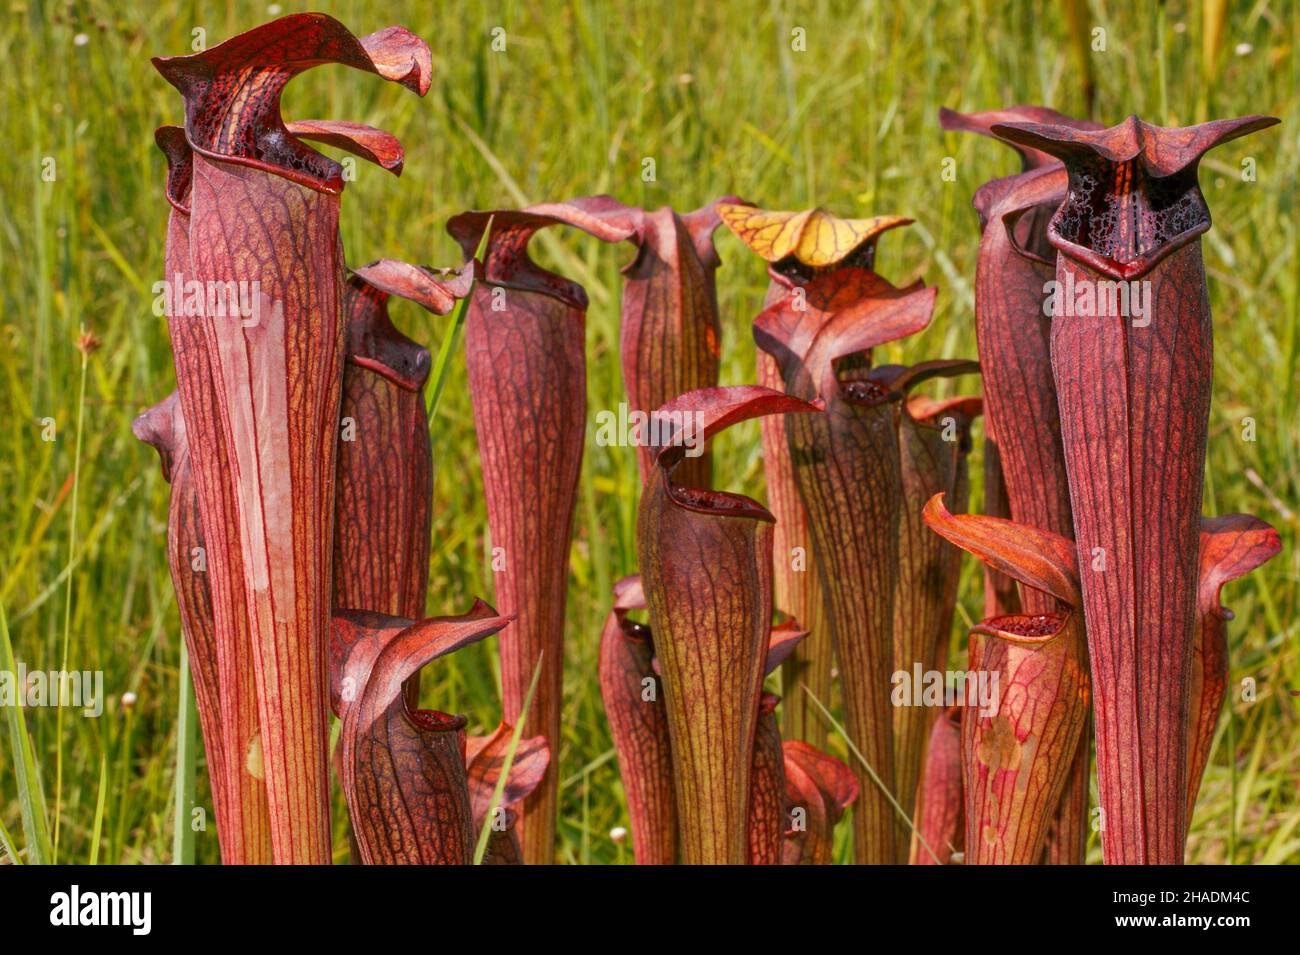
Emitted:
<point x="1122" y="222"/>
<point x="635" y="631"/>
<point x="1026" y="628"/>
<point x="867" y="394"/>
<point x="437" y="721"/>
<point x="791" y="271"/>
<point x="1134" y="197"/>
<point x="718" y="503"/>
<point x="1028" y="237"/>
<point x="232" y="90"/>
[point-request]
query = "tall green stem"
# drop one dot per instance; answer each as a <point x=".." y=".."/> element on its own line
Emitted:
<point x="186" y="720"/>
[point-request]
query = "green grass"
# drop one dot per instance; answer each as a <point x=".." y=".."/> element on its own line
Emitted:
<point x="715" y="94"/>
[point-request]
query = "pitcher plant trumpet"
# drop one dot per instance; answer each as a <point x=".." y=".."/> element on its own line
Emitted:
<point x="706" y="567"/>
<point x="1131" y="358"/>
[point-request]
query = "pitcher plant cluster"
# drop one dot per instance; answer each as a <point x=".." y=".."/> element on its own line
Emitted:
<point x="298" y="453"/>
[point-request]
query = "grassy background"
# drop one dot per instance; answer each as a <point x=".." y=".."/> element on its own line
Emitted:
<point x="715" y="94"/>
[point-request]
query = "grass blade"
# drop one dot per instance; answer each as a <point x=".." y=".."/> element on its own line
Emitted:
<point x="31" y="796"/>
<point x="872" y="773"/>
<point x="481" y="848"/>
<point x="186" y="718"/>
<point x="99" y="810"/>
<point x="67" y="600"/>
<point x="452" y="339"/>
<point x="7" y="843"/>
